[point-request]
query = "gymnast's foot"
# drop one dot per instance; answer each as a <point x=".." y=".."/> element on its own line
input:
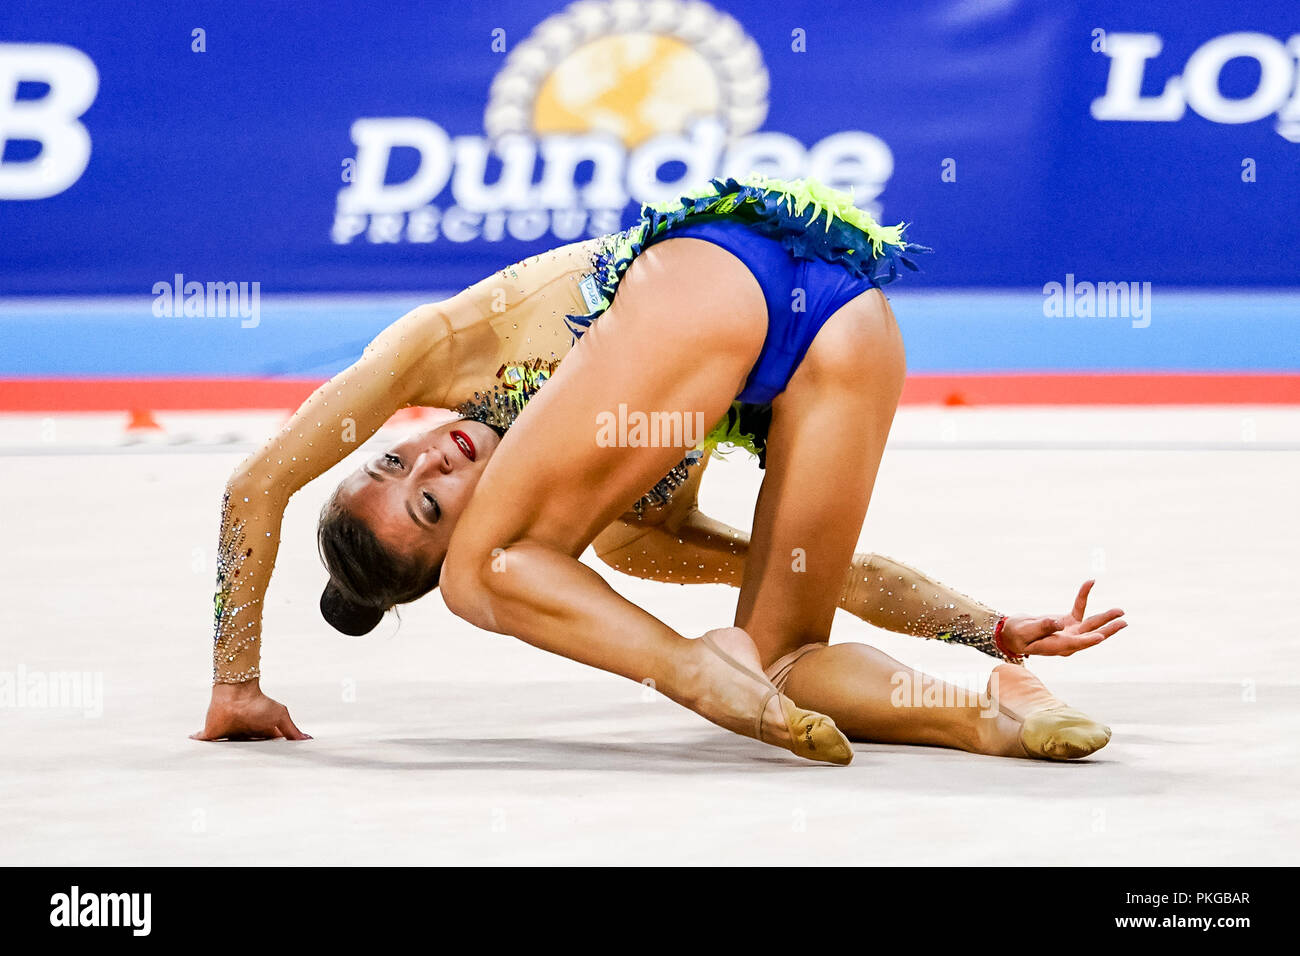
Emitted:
<point x="1049" y="729"/>
<point x="734" y="694"/>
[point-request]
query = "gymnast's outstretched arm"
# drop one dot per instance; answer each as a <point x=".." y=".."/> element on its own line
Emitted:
<point x="407" y="364"/>
<point x="681" y="544"/>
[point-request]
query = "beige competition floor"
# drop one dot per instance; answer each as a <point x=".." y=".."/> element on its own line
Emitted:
<point x="435" y="743"/>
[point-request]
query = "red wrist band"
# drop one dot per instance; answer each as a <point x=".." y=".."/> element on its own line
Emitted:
<point x="997" y="642"/>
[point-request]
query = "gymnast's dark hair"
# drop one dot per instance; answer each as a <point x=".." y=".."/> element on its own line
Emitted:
<point x="366" y="578"/>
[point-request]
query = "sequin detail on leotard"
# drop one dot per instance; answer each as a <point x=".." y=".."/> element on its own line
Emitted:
<point x="517" y="382"/>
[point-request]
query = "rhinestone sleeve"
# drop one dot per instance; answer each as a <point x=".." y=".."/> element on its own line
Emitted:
<point x="889" y="594"/>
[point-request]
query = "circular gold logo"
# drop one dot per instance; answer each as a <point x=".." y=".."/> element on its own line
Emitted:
<point x="632" y="70"/>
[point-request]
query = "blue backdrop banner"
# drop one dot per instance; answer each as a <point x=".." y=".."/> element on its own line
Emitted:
<point x="331" y="146"/>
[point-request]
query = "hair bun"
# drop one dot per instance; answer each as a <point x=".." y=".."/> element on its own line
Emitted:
<point x="347" y="616"/>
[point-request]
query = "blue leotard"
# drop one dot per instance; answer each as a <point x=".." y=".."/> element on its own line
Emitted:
<point x="801" y="294"/>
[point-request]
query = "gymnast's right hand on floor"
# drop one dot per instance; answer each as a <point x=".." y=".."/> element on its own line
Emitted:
<point x="243" y="712"/>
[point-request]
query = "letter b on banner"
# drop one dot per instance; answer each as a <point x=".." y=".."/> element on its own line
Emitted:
<point x="52" y="121"/>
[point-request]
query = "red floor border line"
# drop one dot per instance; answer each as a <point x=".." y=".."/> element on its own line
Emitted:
<point x="1045" y="388"/>
<point x="1106" y="388"/>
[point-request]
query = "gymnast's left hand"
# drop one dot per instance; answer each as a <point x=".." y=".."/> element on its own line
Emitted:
<point x="1064" y="635"/>
<point x="243" y="712"/>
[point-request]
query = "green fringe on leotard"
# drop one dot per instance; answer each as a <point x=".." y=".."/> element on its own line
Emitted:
<point x="803" y="201"/>
<point x="731" y="431"/>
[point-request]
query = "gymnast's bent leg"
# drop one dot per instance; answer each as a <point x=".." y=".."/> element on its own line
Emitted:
<point x="685" y="329"/>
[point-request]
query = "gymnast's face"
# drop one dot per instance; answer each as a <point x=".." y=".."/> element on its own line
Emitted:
<point x="411" y="494"/>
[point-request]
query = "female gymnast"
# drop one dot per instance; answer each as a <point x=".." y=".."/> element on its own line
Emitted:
<point x="754" y="304"/>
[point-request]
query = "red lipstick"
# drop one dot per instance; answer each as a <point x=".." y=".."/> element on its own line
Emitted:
<point x="464" y="444"/>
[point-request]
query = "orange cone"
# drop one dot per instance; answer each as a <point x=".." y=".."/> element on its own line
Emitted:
<point x="142" y="420"/>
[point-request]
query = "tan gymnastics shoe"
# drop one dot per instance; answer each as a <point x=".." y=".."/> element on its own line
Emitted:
<point x="813" y="736"/>
<point x="1049" y="730"/>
